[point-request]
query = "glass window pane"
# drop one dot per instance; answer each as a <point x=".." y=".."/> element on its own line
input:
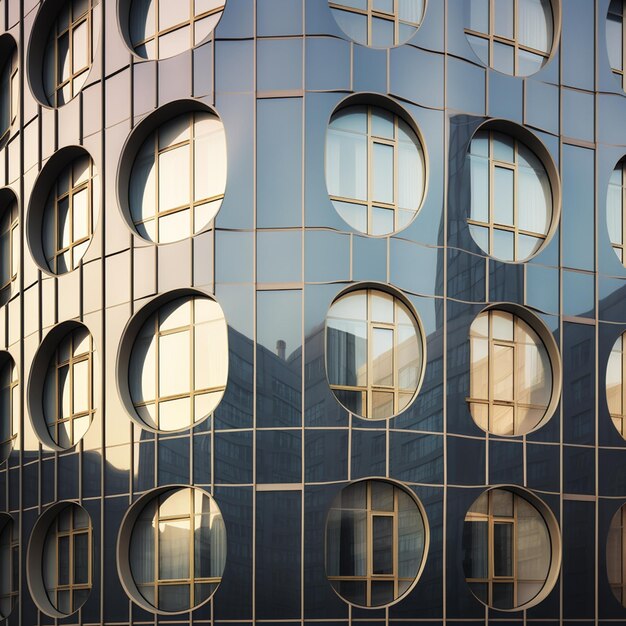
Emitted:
<point x="174" y="178"/>
<point x="382" y="356"/>
<point x="503" y="372"/>
<point x="503" y="58"/>
<point x="174" y="355"/>
<point x="382" y="33"/>
<point x="172" y="13"/>
<point x="504" y="17"/>
<point x="382" y="540"/>
<point x="346" y="164"/>
<point x="479" y="188"/>
<point x="503" y="245"/>
<point x="503" y="196"/>
<point x="503" y="550"/>
<point x="614" y="41"/>
<point x="383" y="173"/>
<point x="535" y="24"/>
<point x="479" y="15"/>
<point x="80" y="51"/>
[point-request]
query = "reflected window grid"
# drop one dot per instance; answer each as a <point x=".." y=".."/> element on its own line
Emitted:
<point x="615" y="40"/>
<point x="493" y="40"/>
<point x="65" y="532"/>
<point x="615" y="387"/>
<point x="9" y="401"/>
<point x="158" y="219"/>
<point x="9" y="251"/>
<point x="616" y="555"/>
<point x="371" y="577"/>
<point x="61" y="418"/>
<point x="372" y="203"/>
<point x="152" y="44"/>
<point x="491" y="584"/>
<point x="65" y="246"/>
<point x="190" y="519"/>
<point x="65" y="74"/>
<point x="371" y="393"/>
<point x="616" y="215"/>
<point x="194" y="394"/>
<point x="493" y="225"/>
<point x="494" y="404"/>
<point x="9" y="571"/>
<point x="375" y="12"/>
<point x="9" y="100"/>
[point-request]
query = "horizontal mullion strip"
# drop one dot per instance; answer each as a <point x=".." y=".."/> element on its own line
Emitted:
<point x="180" y="209"/>
<point x="179" y="396"/>
<point x="179" y="26"/>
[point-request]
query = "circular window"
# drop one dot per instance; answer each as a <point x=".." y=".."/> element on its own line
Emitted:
<point x="10" y="558"/>
<point x="9" y="243"/>
<point x="615" y="39"/>
<point x="514" y="371"/>
<point x="615" y="387"/>
<point x="615" y="210"/>
<point x="61" y="393"/>
<point x="63" y="211"/>
<point x="515" y="37"/>
<point x="375" y="169"/>
<point x="60" y="559"/>
<point x="379" y="24"/>
<point x="171" y="549"/>
<point x="375" y="353"/>
<point x="177" y="368"/>
<point x="512" y="205"/>
<point x="9" y="404"/>
<point x="615" y="559"/>
<point x="376" y="543"/>
<point x="9" y="85"/>
<point x="62" y="49"/>
<point x="511" y="549"/>
<point x="158" y="29"/>
<point x="178" y="176"/>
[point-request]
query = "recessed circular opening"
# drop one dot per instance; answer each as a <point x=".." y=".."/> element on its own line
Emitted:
<point x="62" y="396"/>
<point x="381" y="24"/>
<point x="615" y="546"/>
<point x="511" y="549"/>
<point x="173" y="361"/>
<point x="375" y="352"/>
<point x="514" y="192"/>
<point x="515" y="371"/>
<point x="10" y="557"/>
<point x="62" y="49"/>
<point x="515" y="37"/>
<point x="171" y="549"/>
<point x="158" y="29"/>
<point x="172" y="175"/>
<point x="376" y="166"/>
<point x="376" y="542"/>
<point x="63" y="211"/>
<point x="59" y="562"/>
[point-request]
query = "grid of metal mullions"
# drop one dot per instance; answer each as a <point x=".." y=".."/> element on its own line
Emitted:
<point x="71" y="587"/>
<point x="191" y="580"/>
<point x="61" y="81"/>
<point x="191" y="23"/>
<point x="371" y="13"/>
<point x="492" y="38"/>
<point x="60" y="248"/>
<point x="72" y="361"/>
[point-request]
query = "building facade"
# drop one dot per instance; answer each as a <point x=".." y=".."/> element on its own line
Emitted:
<point x="312" y="312"/>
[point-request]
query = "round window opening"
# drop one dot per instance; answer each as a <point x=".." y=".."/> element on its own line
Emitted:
<point x="375" y="353"/>
<point x="512" y="207"/>
<point x="62" y="388"/>
<point x="9" y="553"/>
<point x="615" y="556"/>
<point x="515" y="37"/>
<point x="375" y="169"/>
<point x="376" y="543"/>
<point x="514" y="372"/>
<point x="60" y="559"/>
<point x="178" y="365"/>
<point x="378" y="23"/>
<point x="178" y="178"/>
<point x="511" y="549"/>
<point x="158" y="29"/>
<point x="615" y="387"/>
<point x="172" y="550"/>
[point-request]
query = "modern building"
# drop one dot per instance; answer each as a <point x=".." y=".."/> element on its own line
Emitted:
<point x="312" y="312"/>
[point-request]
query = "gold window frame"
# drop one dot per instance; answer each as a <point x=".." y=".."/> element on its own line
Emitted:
<point x="620" y="247"/>
<point x="513" y="42"/>
<point x="619" y="417"/>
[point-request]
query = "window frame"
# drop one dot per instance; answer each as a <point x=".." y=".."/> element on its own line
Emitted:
<point x="53" y="425"/>
<point x="371" y="13"/>
<point x="619" y="73"/>
<point x="13" y="98"/>
<point x="492" y="520"/>
<point x="191" y="22"/>
<point x="619" y="418"/>
<point x="620" y="247"/>
<point x="493" y="39"/>
<point x="13" y="385"/>
<point x="13" y="230"/>
<point x="492" y="225"/>
<point x="368" y="390"/>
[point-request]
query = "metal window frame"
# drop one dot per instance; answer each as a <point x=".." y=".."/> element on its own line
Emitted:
<point x="619" y="419"/>
<point x="620" y="247"/>
<point x="13" y="223"/>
